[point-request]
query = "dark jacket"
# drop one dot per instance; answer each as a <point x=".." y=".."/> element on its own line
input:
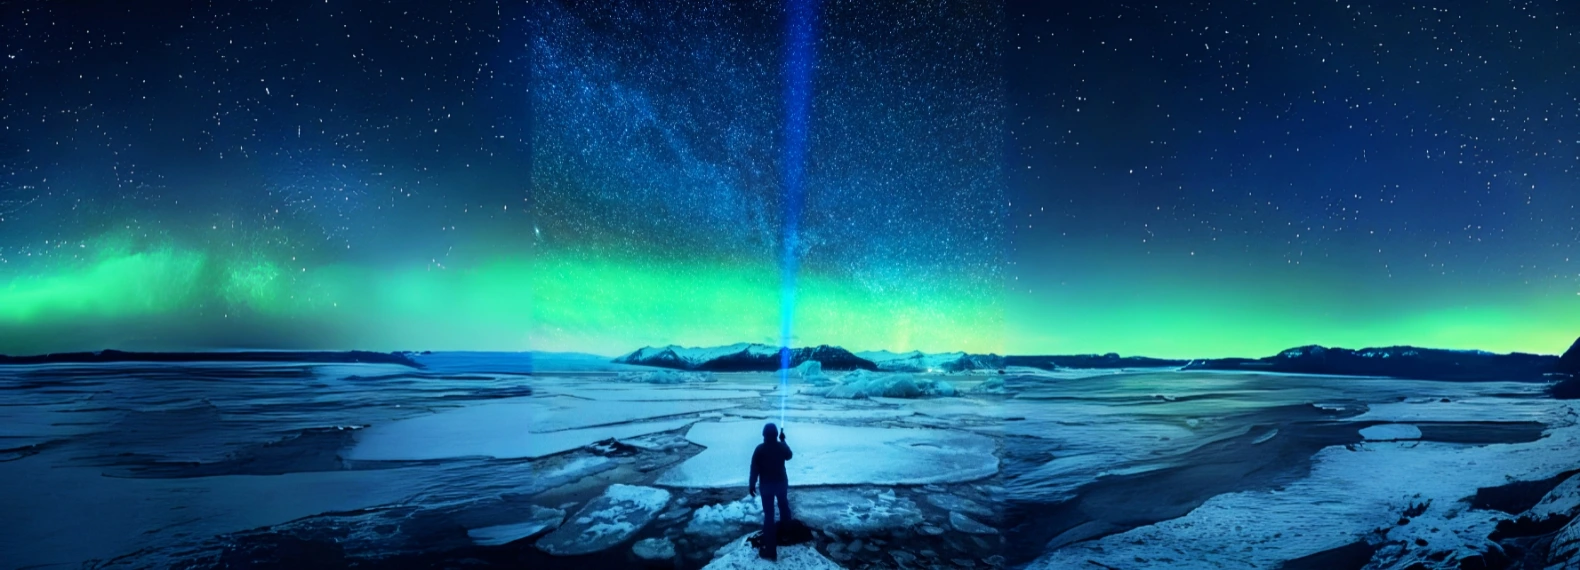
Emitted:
<point x="768" y="463"/>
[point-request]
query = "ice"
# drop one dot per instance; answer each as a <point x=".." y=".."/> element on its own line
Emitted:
<point x="914" y="361"/>
<point x="539" y="519"/>
<point x="725" y="520"/>
<point x="518" y="427"/>
<point x="810" y="370"/>
<point x="968" y="525"/>
<point x="854" y="511"/>
<point x="838" y="455"/>
<point x="617" y="393"/>
<point x="1387" y="432"/>
<point x="608" y="520"/>
<point x="1562" y="500"/>
<point x="654" y="549"/>
<point x="474" y="440"/>
<point x="855" y="414"/>
<point x="1350" y="492"/>
<point x="950" y="502"/>
<point x="991" y="386"/>
<point x="739" y="555"/>
<point x="666" y="377"/>
<point x="1565" y="553"/>
<point x="864" y="384"/>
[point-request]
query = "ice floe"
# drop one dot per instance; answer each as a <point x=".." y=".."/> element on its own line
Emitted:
<point x="1387" y="432"/>
<point x="854" y="511"/>
<point x="539" y="519"/>
<point x="969" y="525"/>
<point x="838" y="455"/>
<point x="725" y="520"/>
<point x="950" y="502"/>
<point x="654" y="549"/>
<point x="521" y="427"/>
<point x="608" y="520"/>
<point x="739" y="555"/>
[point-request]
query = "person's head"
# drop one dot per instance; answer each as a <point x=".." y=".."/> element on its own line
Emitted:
<point x="770" y="432"/>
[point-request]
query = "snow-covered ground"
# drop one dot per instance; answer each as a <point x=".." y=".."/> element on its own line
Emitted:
<point x="153" y="466"/>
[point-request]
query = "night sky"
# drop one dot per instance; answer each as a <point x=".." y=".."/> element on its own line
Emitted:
<point x="1179" y="179"/>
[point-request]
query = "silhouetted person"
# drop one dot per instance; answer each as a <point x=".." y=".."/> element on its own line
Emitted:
<point x="768" y="463"/>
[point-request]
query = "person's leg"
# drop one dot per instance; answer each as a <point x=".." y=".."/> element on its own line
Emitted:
<point x="768" y="542"/>
<point x="784" y="503"/>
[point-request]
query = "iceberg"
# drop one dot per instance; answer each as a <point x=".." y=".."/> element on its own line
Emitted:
<point x="654" y="549"/>
<point x="1389" y="432"/>
<point x="610" y="519"/>
<point x="863" y="384"/>
<point x="838" y="455"/>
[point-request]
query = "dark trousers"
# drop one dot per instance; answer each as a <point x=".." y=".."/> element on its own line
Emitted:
<point x="771" y="492"/>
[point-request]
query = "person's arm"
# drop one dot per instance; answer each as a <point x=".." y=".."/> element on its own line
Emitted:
<point x="751" y="480"/>
<point x="788" y="454"/>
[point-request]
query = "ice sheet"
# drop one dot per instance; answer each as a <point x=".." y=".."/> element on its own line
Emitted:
<point x="837" y="455"/>
<point x="1350" y="492"/>
<point x="608" y="520"/>
<point x="460" y="439"/>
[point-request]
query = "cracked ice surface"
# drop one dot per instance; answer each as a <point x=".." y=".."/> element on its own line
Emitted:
<point x="518" y="427"/>
<point x="838" y="455"/>
<point x="1348" y="494"/>
<point x="608" y="520"/>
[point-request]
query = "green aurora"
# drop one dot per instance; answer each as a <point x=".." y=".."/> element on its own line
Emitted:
<point x="173" y="297"/>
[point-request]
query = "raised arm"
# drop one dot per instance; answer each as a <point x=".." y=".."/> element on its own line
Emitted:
<point x="788" y="454"/>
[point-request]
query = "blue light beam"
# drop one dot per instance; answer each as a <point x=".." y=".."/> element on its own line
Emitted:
<point x="800" y="28"/>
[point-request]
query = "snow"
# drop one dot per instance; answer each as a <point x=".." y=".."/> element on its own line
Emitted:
<point x="838" y="455"/>
<point x="725" y="520"/>
<point x="1386" y="432"/>
<point x="968" y="525"/>
<point x="694" y="355"/>
<point x="654" y="549"/>
<point x="608" y="520"/>
<point x="1562" y="500"/>
<point x="854" y="511"/>
<point x="739" y="555"/>
<point x="1376" y="481"/>
<point x="518" y="427"/>
<point x="539" y="519"/>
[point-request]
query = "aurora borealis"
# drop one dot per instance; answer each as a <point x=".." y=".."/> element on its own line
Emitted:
<point x="598" y="176"/>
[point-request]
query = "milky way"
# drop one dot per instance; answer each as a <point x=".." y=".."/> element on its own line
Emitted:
<point x="577" y="175"/>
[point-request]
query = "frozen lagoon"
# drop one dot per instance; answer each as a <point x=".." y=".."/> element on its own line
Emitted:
<point x="153" y="466"/>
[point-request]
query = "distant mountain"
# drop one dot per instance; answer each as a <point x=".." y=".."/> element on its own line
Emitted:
<point x="1568" y="367"/>
<point x="309" y="357"/>
<point x="743" y="357"/>
<point x="1394" y="361"/>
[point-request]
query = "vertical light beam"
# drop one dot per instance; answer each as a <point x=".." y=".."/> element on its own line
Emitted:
<point x="800" y="29"/>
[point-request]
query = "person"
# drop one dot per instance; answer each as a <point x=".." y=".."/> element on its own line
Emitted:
<point x="768" y="464"/>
